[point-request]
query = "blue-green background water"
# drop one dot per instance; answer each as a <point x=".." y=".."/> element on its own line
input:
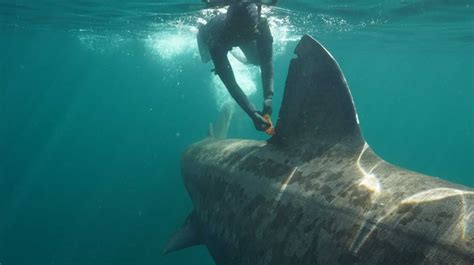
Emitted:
<point x="99" y="98"/>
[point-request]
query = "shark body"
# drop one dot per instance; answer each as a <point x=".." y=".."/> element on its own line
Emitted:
<point x="316" y="193"/>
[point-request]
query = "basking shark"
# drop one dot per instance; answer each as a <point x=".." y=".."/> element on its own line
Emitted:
<point x="315" y="192"/>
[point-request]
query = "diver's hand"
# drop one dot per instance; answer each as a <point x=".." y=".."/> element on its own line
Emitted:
<point x="260" y="123"/>
<point x="267" y="107"/>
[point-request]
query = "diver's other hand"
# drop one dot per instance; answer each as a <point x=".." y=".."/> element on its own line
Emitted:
<point x="260" y="123"/>
<point x="267" y="107"/>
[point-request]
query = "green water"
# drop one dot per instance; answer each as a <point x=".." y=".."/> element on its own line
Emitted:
<point x="99" y="98"/>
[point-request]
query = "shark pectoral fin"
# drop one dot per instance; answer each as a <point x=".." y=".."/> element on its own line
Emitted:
<point x="210" y="131"/>
<point x="187" y="236"/>
<point x="317" y="105"/>
<point x="221" y="127"/>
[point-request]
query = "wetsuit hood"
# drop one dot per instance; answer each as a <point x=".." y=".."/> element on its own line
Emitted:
<point x="242" y="15"/>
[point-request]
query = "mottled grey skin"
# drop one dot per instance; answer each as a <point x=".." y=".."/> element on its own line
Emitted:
<point x="316" y="193"/>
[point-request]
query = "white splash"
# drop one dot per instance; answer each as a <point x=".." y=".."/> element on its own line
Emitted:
<point x="178" y="39"/>
<point x="171" y="43"/>
<point x="246" y="76"/>
<point x="168" y="45"/>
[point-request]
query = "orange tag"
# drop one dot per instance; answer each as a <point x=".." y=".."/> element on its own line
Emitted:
<point x="270" y="130"/>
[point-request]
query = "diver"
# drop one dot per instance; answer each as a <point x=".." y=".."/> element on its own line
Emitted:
<point x="244" y="27"/>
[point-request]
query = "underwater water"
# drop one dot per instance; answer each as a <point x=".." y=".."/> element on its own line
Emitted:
<point x="98" y="99"/>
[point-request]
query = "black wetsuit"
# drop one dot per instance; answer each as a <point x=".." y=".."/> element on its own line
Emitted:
<point x="242" y="27"/>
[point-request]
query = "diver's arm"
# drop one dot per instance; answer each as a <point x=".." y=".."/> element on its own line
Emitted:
<point x="224" y="70"/>
<point x="265" y="51"/>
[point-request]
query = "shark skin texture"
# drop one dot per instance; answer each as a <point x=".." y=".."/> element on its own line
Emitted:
<point x="316" y="193"/>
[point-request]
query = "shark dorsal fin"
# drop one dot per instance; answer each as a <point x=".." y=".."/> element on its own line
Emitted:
<point x="317" y="108"/>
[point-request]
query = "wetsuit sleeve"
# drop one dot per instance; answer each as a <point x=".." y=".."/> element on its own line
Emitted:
<point x="265" y="51"/>
<point x="224" y="71"/>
